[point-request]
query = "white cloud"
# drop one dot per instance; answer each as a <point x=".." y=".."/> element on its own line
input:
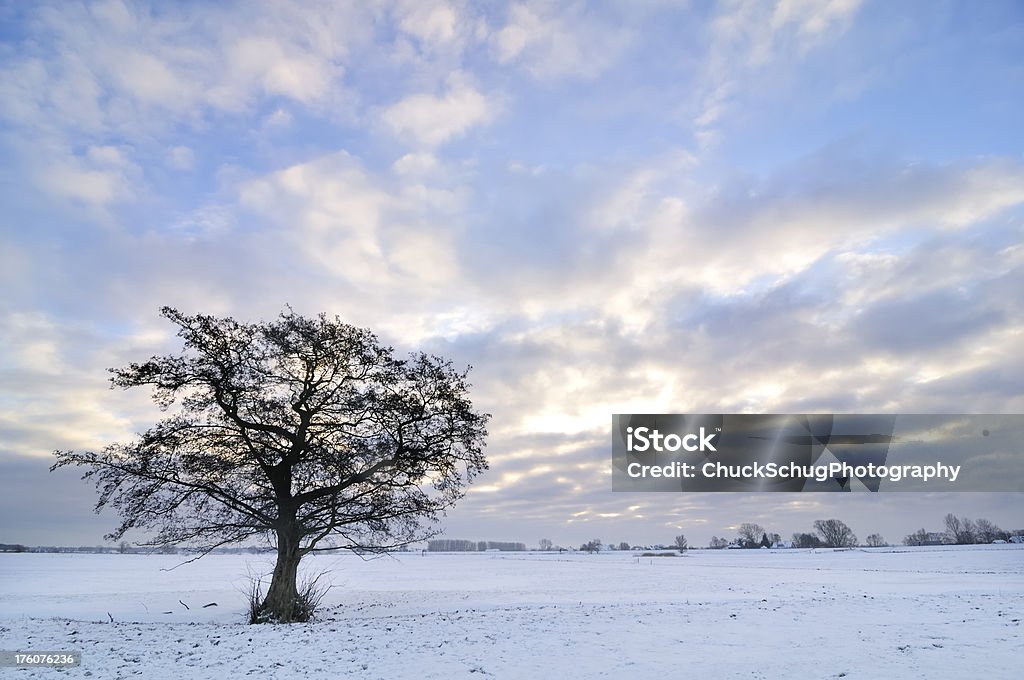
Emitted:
<point x="97" y="178"/>
<point x="435" y="23"/>
<point x="391" y="237"/>
<point x="278" y="119"/>
<point x="266" y="65"/>
<point x="814" y="18"/>
<point x="554" y="41"/>
<point x="749" y="37"/>
<point x="57" y="394"/>
<point x="431" y="120"/>
<point x="147" y="79"/>
<point x="86" y="74"/>
<point x="181" y="157"/>
<point x="415" y="164"/>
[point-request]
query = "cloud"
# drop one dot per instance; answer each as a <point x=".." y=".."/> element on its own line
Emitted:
<point x="431" y="120"/>
<point x="117" y="65"/>
<point x="751" y="34"/>
<point x="813" y="19"/>
<point x="748" y="37"/>
<point x="435" y="23"/>
<point x="55" y="394"/>
<point x="554" y="42"/>
<point x="83" y="74"/>
<point x="384" y="240"/>
<point x="510" y="188"/>
<point x="181" y="157"/>
<point x="97" y="177"/>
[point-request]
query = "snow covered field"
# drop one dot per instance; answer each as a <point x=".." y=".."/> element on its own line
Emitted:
<point x="887" y="613"/>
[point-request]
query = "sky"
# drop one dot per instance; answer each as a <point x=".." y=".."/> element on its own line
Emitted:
<point x="646" y="207"/>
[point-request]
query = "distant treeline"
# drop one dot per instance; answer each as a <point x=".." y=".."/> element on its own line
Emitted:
<point x="462" y="545"/>
<point x="124" y="548"/>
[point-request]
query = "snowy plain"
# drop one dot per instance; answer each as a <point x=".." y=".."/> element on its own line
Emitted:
<point x="943" y="612"/>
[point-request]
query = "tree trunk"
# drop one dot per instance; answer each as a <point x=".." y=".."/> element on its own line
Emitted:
<point x="281" y="604"/>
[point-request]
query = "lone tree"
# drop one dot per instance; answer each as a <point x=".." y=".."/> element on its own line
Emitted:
<point x="304" y="431"/>
<point x="835" y="534"/>
<point x="680" y="542"/>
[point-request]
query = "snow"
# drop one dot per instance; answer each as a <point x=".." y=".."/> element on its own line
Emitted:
<point x="940" y="612"/>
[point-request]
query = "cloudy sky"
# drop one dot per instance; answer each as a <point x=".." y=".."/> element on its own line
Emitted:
<point x="799" y="206"/>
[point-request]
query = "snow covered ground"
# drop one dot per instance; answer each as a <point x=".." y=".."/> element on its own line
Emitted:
<point x="895" y="613"/>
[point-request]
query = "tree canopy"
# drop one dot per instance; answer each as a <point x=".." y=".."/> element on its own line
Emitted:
<point x="835" y="534"/>
<point x="307" y="431"/>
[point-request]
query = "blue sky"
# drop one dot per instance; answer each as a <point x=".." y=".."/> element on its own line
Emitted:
<point x="792" y="206"/>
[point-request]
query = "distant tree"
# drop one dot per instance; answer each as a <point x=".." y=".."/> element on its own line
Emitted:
<point x="765" y="543"/>
<point x="774" y="539"/>
<point x="545" y="544"/>
<point x="835" y="534"/>
<point x="122" y="547"/>
<point x="802" y="540"/>
<point x="875" y="541"/>
<point x="306" y="432"/>
<point x="960" y="529"/>
<point x="623" y="546"/>
<point x="750" y="534"/>
<point x="505" y="546"/>
<point x="453" y="545"/>
<point x="919" y="537"/>
<point x="591" y="546"/>
<point x="986" y="532"/>
<point x="16" y="548"/>
<point x="718" y="543"/>
<point x="680" y="542"/>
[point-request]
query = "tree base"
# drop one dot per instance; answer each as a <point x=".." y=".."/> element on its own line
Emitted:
<point x="302" y="608"/>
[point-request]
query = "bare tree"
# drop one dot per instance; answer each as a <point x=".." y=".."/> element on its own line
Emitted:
<point x="986" y="531"/>
<point x="545" y="544"/>
<point x="960" y="529"/>
<point x="717" y="543"/>
<point x="919" y="537"/>
<point x="307" y="432"/>
<point x="875" y="541"/>
<point x="123" y="547"/>
<point x="750" y="534"/>
<point x="680" y="542"/>
<point x="804" y="540"/>
<point x="835" y="534"/>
